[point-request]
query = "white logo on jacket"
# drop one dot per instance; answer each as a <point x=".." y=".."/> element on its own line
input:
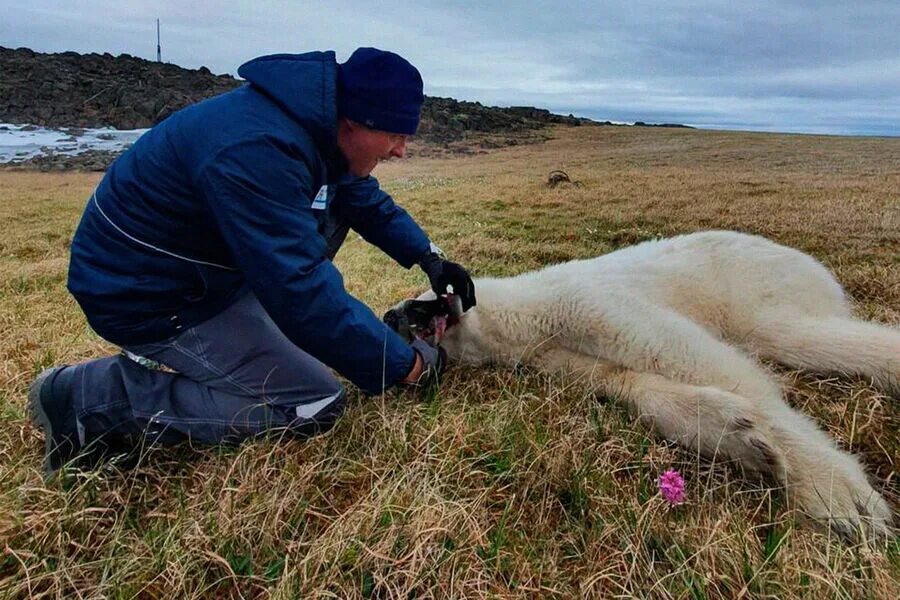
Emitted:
<point x="320" y="202"/>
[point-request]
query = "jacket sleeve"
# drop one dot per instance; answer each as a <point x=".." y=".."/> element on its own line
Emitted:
<point x="259" y="193"/>
<point x="372" y="213"/>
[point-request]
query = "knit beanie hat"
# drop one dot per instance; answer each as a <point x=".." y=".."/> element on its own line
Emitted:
<point x="381" y="90"/>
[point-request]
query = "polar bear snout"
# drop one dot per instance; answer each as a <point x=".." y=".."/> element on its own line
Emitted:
<point x="396" y="319"/>
<point x="425" y="319"/>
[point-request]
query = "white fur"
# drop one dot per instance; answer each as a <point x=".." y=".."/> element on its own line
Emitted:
<point x="671" y="328"/>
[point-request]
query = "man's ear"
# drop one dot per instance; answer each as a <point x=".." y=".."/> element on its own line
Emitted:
<point x="350" y="124"/>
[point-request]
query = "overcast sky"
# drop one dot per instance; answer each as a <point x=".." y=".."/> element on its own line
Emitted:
<point x="816" y="66"/>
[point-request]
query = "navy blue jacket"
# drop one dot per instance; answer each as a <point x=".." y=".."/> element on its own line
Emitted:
<point x="239" y="191"/>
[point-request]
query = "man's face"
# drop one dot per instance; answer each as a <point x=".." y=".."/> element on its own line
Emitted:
<point x="364" y="148"/>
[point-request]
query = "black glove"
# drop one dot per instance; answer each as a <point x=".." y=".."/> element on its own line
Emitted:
<point x="442" y="273"/>
<point x="434" y="362"/>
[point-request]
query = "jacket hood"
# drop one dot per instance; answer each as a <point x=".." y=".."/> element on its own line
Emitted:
<point x="305" y="86"/>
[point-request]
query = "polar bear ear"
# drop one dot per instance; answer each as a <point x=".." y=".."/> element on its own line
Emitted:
<point x="396" y="319"/>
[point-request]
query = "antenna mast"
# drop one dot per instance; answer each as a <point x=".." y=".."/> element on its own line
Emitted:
<point x="158" y="48"/>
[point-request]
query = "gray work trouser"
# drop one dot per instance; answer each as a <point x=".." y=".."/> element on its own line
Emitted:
<point x="237" y="376"/>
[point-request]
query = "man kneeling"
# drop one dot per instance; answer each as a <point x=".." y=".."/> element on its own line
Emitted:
<point x="205" y="253"/>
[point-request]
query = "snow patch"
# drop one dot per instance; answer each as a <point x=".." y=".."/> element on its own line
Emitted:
<point x="19" y="143"/>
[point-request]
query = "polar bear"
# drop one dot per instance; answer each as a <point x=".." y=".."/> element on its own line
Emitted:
<point x="673" y="328"/>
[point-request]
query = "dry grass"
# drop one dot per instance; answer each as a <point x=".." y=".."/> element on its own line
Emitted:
<point x="505" y="484"/>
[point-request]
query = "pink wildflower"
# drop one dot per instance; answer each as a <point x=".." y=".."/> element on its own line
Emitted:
<point x="671" y="487"/>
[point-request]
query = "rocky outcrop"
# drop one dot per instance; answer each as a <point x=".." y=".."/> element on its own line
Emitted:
<point x="92" y="160"/>
<point x="98" y="90"/>
<point x="126" y="92"/>
<point x="445" y="119"/>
